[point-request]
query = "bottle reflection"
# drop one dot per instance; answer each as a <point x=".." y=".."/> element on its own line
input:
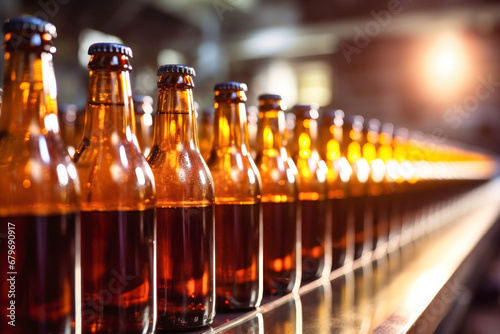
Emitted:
<point x="286" y="318"/>
<point x="363" y="292"/>
<point x="317" y="309"/>
<point x="380" y="279"/>
<point x="254" y="325"/>
<point x="342" y="309"/>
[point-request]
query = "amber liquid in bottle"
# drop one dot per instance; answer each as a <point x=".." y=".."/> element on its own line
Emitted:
<point x="334" y="152"/>
<point x="360" y="208"/>
<point x="239" y="262"/>
<point x="39" y="196"/>
<point x="238" y="240"/>
<point x="118" y="221"/>
<point x="121" y="242"/>
<point x="374" y="188"/>
<point x="282" y="230"/>
<point x="185" y="216"/>
<point x="185" y="283"/>
<point x="312" y="171"/>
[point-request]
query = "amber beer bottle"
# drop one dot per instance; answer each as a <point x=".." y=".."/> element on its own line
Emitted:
<point x="185" y="208"/>
<point x="282" y="243"/>
<point x="39" y="197"/>
<point x="118" y="195"/>
<point x="316" y="224"/>
<point x="376" y="210"/>
<point x="358" y="207"/>
<point x="333" y="150"/>
<point x="206" y="129"/>
<point x="238" y="223"/>
<point x="143" y="109"/>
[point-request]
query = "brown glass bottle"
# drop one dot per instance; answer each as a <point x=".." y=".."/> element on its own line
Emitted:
<point x="316" y="224"/>
<point x="118" y="196"/>
<point x="185" y="215"/>
<point x="353" y="128"/>
<point x="333" y="149"/>
<point x="39" y="197"/>
<point x="376" y="210"/>
<point x="143" y="108"/>
<point x="238" y="223"/>
<point x="282" y="246"/>
<point x="206" y="122"/>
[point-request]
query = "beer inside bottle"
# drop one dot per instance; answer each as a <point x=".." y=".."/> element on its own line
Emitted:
<point x="316" y="224"/>
<point x="118" y="221"/>
<point x="185" y="215"/>
<point x="333" y="148"/>
<point x="238" y="221"/>
<point x="282" y="230"/>
<point x="39" y="197"/>
<point x="375" y="211"/>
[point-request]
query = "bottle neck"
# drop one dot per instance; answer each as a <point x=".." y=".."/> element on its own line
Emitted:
<point x="305" y="136"/>
<point x="270" y="133"/>
<point x="109" y="105"/>
<point x="175" y="120"/>
<point x="30" y="93"/>
<point x="230" y="127"/>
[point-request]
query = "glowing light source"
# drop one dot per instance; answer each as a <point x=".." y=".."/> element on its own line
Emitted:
<point x="446" y="66"/>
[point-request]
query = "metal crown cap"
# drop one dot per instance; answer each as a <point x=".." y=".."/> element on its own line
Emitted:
<point x="231" y="85"/>
<point x="175" y="68"/>
<point x="110" y="48"/>
<point x="270" y="96"/>
<point x="29" y="24"/>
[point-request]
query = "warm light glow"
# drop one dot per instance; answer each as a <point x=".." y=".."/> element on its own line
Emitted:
<point x="333" y="149"/>
<point x="446" y="67"/>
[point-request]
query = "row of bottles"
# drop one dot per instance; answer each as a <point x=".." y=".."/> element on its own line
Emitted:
<point x="160" y="242"/>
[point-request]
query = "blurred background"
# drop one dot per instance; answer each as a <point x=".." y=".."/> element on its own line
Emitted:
<point x="430" y="65"/>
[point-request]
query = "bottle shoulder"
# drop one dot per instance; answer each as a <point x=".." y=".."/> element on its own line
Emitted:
<point x="182" y="177"/>
<point x="38" y="173"/>
<point x="235" y="175"/>
<point x="114" y="175"/>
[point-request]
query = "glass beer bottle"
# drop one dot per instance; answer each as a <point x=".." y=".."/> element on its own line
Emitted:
<point x="185" y="208"/>
<point x="316" y="225"/>
<point x="118" y="195"/>
<point x="206" y="129"/>
<point x="376" y="210"/>
<point x="143" y="109"/>
<point x="334" y="152"/>
<point x="282" y="243"/>
<point x="39" y="197"/>
<point x="353" y="131"/>
<point x="238" y="223"/>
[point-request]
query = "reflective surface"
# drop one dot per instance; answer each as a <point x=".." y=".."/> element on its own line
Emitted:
<point x="389" y="294"/>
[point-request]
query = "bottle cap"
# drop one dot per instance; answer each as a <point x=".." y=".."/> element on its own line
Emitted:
<point x="372" y="124"/>
<point x="270" y="96"/>
<point x="355" y="122"/>
<point x="29" y="24"/>
<point x="306" y="111"/>
<point x="388" y="128"/>
<point x="174" y="68"/>
<point x="110" y="48"/>
<point x="231" y="85"/>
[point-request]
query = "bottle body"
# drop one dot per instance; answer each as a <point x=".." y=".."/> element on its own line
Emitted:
<point x="282" y="229"/>
<point x="118" y="221"/>
<point x="39" y="204"/>
<point x="359" y="206"/>
<point x="334" y="152"/>
<point x="239" y="262"/>
<point x="185" y="212"/>
<point x="315" y="219"/>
